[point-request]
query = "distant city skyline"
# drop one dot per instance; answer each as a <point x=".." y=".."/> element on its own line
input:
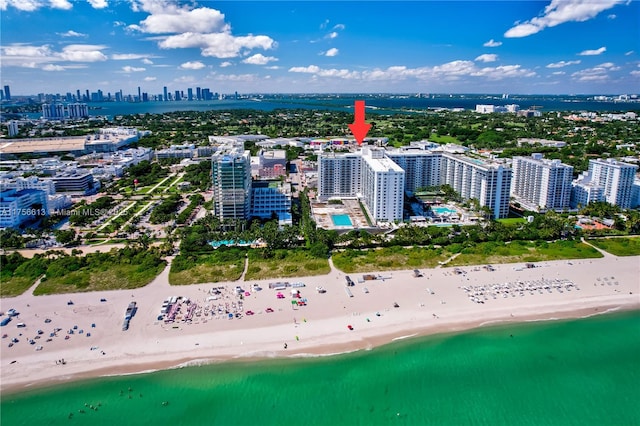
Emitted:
<point x="524" y="47"/>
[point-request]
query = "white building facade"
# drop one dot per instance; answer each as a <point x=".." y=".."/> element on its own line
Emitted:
<point x="541" y="184"/>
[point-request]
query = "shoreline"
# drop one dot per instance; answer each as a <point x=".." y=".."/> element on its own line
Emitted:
<point x="313" y="353"/>
<point x="321" y="327"/>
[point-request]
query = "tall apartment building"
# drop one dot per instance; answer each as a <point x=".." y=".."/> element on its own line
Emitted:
<point x="606" y="180"/>
<point x="616" y="178"/>
<point x="349" y="175"/>
<point x="382" y="186"/>
<point x="19" y="206"/>
<point x="487" y="182"/>
<point x="77" y="110"/>
<point x="53" y="111"/>
<point x="367" y="174"/>
<point x="231" y="175"/>
<point x="339" y="175"/>
<point x="540" y="184"/>
<point x="421" y="167"/>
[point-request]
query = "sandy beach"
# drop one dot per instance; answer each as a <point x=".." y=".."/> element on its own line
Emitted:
<point x="88" y="335"/>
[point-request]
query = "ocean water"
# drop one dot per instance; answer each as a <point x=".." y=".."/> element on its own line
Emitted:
<point x="577" y="372"/>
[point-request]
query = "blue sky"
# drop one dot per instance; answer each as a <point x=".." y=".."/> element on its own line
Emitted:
<point x="525" y="47"/>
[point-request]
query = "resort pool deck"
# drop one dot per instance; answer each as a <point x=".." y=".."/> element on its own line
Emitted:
<point x="440" y="211"/>
<point x="341" y="220"/>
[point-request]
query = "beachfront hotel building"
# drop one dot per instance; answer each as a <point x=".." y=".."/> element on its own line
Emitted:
<point x="20" y="206"/>
<point x="540" y="184"/>
<point x="382" y="186"/>
<point x="366" y="174"/>
<point x="271" y="198"/>
<point x="349" y="175"/>
<point x="231" y="176"/>
<point x="606" y="180"/>
<point x="487" y="181"/>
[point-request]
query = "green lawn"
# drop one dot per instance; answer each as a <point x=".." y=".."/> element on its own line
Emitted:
<point x="388" y="258"/>
<point x="523" y="251"/>
<point x="221" y="265"/>
<point x="511" y="220"/>
<point x="443" y="139"/>
<point x="18" y="273"/>
<point x="285" y="263"/>
<point x="618" y="246"/>
<point x="116" y="277"/>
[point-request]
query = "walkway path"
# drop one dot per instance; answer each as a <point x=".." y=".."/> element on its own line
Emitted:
<point x="604" y="253"/>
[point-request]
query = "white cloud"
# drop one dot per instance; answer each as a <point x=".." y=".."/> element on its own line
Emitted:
<point x="24" y="5"/>
<point x="185" y="79"/>
<point x="31" y="5"/>
<point x="150" y="78"/>
<point x="71" y="33"/>
<point x="629" y="53"/>
<point x="236" y="77"/>
<point x="324" y="24"/>
<point x="559" y="12"/>
<point x="129" y="69"/>
<point x="331" y="52"/>
<point x="179" y="20"/>
<point x="181" y="26"/>
<point x="259" y="59"/>
<point x="147" y="61"/>
<point x="192" y="65"/>
<point x="226" y="64"/>
<point x="558" y="73"/>
<point x="273" y="67"/>
<point x="492" y="43"/>
<point x="332" y="35"/>
<point x="128" y="56"/>
<point x="487" y="57"/>
<point x="24" y="55"/>
<point x="449" y="71"/>
<point x="593" y="52"/>
<point x="83" y="53"/>
<point x="635" y="73"/>
<point x="52" y="67"/>
<point x="562" y="64"/>
<point x="218" y="45"/>
<point x="612" y="16"/>
<point x="339" y="27"/>
<point x="98" y="4"/>
<point x="61" y="4"/>
<point x="599" y="73"/>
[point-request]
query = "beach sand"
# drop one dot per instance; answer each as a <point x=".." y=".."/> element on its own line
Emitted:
<point x="434" y="303"/>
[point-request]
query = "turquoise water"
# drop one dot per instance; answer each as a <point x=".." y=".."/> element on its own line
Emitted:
<point x="442" y="210"/>
<point x="582" y="372"/>
<point x="216" y="244"/>
<point x="341" y="220"/>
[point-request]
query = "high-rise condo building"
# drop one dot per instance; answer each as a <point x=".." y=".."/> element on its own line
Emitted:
<point x="380" y="178"/>
<point x="486" y="181"/>
<point x="7" y="93"/>
<point x="53" y="111"/>
<point x="613" y="180"/>
<point x="231" y="175"/>
<point x="366" y="174"/>
<point x="540" y="184"/>
<point x="382" y="186"/>
<point x="165" y="94"/>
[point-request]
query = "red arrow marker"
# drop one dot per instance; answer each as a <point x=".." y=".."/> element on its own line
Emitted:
<point x="359" y="128"/>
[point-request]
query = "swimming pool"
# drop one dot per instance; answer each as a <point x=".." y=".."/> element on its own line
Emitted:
<point x="341" y="220"/>
<point x="440" y="211"/>
<point x="216" y="244"/>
